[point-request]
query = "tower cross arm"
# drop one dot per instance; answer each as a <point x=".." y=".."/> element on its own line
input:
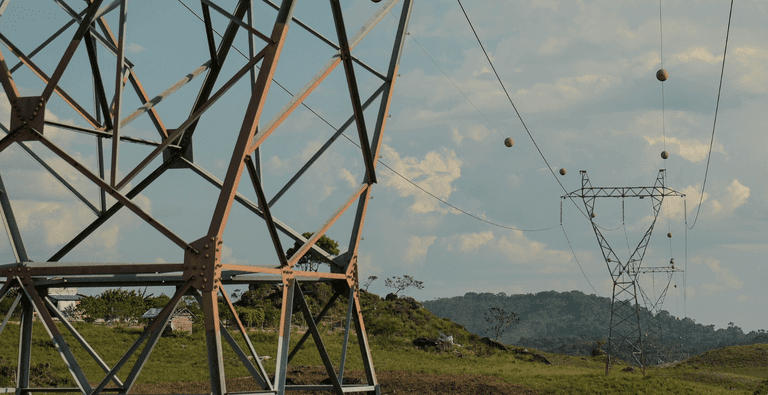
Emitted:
<point x="622" y="192"/>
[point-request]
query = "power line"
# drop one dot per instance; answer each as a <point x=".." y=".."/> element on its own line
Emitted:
<point x="717" y="106"/>
<point x="577" y="259"/>
<point x="549" y="167"/>
<point x="384" y="164"/>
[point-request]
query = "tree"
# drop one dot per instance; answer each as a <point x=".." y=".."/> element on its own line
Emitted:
<point x="113" y="304"/>
<point x="311" y="261"/>
<point x="368" y="282"/>
<point x="401" y="283"/>
<point x="250" y="316"/>
<point x="499" y="321"/>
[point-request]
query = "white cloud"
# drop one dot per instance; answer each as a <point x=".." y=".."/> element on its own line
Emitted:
<point x="734" y="196"/>
<point x="474" y="132"/>
<point x="553" y="45"/>
<point x="564" y="92"/>
<point x="674" y="206"/>
<point x="692" y="150"/>
<point x="473" y="241"/>
<point x="227" y="257"/>
<point x="367" y="267"/>
<point x="347" y="176"/>
<point x="134" y="48"/>
<point x="417" y="248"/>
<point x="435" y="173"/>
<point x="725" y="280"/>
<point x="520" y="250"/>
<point x="698" y="54"/>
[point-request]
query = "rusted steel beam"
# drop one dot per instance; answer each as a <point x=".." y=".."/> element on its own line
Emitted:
<point x="134" y="79"/>
<point x="260" y="375"/>
<point x="18" y="134"/>
<point x="25" y="341"/>
<point x="130" y="380"/>
<point x="317" y="319"/>
<point x="89" y="268"/>
<point x="213" y="74"/>
<point x="299" y="97"/>
<point x="103" y="11"/>
<point x="44" y="77"/>
<point x="191" y="120"/>
<point x="80" y="339"/>
<point x="56" y="337"/>
<point x="110" y="46"/>
<point x="11" y="227"/>
<point x="6" y="79"/>
<point x="49" y="40"/>
<point x="101" y="94"/>
<point x="381" y="120"/>
<point x="162" y="318"/>
<point x="265" y="209"/>
<point x="118" y="99"/>
<point x="237" y="21"/>
<point x="354" y="94"/>
<point x="347" y="324"/>
<point x="57" y="176"/>
<point x="108" y="135"/>
<point x="331" y="43"/>
<point x="320" y="232"/>
<point x="284" y="333"/>
<point x="209" y="36"/>
<point x="112" y="211"/>
<point x="250" y="122"/>
<point x="150" y="104"/>
<point x="312" y="328"/>
<point x="153" y="115"/>
<point x="362" y="339"/>
<point x="114" y="193"/>
<point x="70" y="51"/>
<point x="254" y="208"/>
<point x="10" y="312"/>
<point x="321" y="150"/>
<point x="213" y="340"/>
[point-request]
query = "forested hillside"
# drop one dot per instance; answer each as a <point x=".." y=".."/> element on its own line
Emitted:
<point x="572" y="322"/>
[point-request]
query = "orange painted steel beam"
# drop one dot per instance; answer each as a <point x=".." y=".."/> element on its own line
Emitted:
<point x="192" y="119"/>
<point x="44" y="77"/>
<point x="250" y="123"/>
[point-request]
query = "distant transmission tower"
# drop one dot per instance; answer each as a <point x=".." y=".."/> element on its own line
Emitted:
<point x="625" y="334"/>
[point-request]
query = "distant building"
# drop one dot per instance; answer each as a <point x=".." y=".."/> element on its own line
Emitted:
<point x="181" y="320"/>
<point x="64" y="298"/>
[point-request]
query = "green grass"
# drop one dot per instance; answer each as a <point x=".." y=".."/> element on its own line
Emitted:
<point x="732" y="370"/>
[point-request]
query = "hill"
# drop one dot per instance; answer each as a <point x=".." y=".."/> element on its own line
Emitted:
<point x="469" y="366"/>
<point x="572" y="322"/>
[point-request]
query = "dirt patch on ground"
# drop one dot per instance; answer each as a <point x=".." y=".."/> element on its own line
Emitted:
<point x="392" y="382"/>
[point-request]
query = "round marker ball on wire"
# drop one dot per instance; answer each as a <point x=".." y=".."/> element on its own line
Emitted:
<point x="563" y="171"/>
<point x="594" y="215"/>
<point x="662" y="75"/>
<point x="664" y="154"/>
<point x="509" y="142"/>
<point x="669" y="235"/>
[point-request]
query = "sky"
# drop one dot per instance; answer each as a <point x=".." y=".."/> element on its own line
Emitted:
<point x="580" y="73"/>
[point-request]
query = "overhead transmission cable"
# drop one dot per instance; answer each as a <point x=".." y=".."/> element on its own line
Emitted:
<point x="714" y="124"/>
<point x="529" y="134"/>
<point x="515" y="108"/>
<point x="380" y="161"/>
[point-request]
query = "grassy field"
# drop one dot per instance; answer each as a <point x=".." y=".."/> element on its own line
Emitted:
<point x="732" y="370"/>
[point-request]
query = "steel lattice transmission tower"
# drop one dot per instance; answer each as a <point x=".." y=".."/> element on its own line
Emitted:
<point x="200" y="269"/>
<point x="624" y="331"/>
